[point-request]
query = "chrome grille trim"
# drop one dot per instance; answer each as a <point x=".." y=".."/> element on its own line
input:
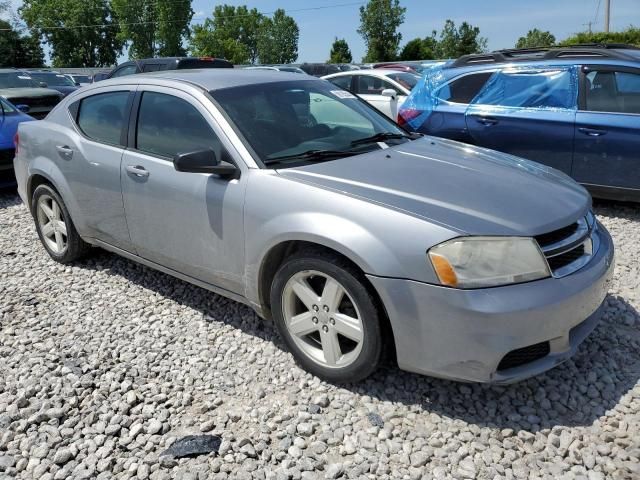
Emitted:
<point x="578" y="247"/>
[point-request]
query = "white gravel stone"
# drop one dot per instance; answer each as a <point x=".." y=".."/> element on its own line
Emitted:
<point x="106" y="363"/>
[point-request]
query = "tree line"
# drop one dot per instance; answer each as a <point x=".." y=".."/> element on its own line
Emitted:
<point x="94" y="33"/>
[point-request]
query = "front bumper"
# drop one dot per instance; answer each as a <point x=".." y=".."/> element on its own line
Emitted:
<point x="464" y="334"/>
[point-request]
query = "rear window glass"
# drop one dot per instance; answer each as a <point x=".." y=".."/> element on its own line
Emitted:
<point x="531" y="89"/>
<point x="407" y="80"/>
<point x="102" y="117"/>
<point x="464" y="89"/>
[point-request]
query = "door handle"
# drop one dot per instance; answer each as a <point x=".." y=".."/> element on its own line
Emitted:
<point x="65" y="151"/>
<point x="592" y="132"/>
<point x="486" y="121"/>
<point x="137" y="171"/>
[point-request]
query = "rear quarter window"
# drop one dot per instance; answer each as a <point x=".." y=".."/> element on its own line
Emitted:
<point x="464" y="89"/>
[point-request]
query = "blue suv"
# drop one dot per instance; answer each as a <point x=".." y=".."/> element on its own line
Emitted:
<point x="576" y="109"/>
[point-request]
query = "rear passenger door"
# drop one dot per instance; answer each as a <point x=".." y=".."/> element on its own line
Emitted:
<point x="191" y="223"/>
<point x="607" y="142"/>
<point x="528" y="112"/>
<point x="90" y="158"/>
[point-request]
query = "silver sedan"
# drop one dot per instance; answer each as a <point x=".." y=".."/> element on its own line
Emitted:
<point x="302" y="201"/>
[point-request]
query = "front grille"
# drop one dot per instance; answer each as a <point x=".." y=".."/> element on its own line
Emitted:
<point x="550" y="238"/>
<point x="564" y="259"/>
<point x="569" y="248"/>
<point x="6" y="157"/>
<point x="522" y="356"/>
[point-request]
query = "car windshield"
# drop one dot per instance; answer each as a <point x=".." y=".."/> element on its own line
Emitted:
<point x="53" y="79"/>
<point x="407" y="80"/>
<point x="284" y="121"/>
<point x="16" y="80"/>
<point x="81" y="78"/>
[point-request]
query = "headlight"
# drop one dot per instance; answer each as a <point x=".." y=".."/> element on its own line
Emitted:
<point x="476" y="262"/>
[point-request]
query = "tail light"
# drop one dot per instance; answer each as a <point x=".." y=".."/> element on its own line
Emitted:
<point x="16" y="141"/>
<point x="406" y="115"/>
<point x="207" y="59"/>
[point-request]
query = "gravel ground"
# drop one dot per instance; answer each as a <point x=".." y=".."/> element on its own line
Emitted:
<point x="105" y="363"/>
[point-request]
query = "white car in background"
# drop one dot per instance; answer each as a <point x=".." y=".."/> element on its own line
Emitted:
<point x="385" y="89"/>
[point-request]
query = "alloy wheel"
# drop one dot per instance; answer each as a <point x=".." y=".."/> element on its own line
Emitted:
<point x="52" y="225"/>
<point x="322" y="319"/>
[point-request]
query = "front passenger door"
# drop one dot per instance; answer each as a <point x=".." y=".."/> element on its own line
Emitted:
<point x="189" y="222"/>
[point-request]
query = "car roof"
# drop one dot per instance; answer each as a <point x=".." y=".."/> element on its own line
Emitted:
<point x="375" y="72"/>
<point x="212" y="78"/>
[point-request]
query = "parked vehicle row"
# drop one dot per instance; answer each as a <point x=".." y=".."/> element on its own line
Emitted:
<point x="320" y="212"/>
<point x="575" y="109"/>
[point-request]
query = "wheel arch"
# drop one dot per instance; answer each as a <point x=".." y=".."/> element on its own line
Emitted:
<point x="276" y="256"/>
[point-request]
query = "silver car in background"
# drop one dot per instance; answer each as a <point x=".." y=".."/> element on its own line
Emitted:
<point x="295" y="197"/>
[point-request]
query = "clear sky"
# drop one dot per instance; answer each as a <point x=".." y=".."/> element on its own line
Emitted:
<point x="501" y="21"/>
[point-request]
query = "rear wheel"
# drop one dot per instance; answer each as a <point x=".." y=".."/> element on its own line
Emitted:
<point x="55" y="228"/>
<point x="327" y="317"/>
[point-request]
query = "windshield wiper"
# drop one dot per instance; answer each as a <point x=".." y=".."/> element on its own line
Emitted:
<point x="311" y="155"/>
<point x="380" y="137"/>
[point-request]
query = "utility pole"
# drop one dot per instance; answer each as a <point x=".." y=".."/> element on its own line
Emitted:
<point x="607" y="13"/>
<point x="588" y="24"/>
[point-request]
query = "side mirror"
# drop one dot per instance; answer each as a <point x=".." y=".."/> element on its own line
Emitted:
<point x="43" y="84"/>
<point x="204" y="161"/>
<point x="389" y="92"/>
<point x="23" y="108"/>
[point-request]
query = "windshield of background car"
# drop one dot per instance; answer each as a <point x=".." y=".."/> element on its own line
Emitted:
<point x="53" y="79"/>
<point x="407" y="80"/>
<point x="16" y="80"/>
<point x="289" y="118"/>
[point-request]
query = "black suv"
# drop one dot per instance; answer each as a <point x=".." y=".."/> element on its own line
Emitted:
<point x="166" y="63"/>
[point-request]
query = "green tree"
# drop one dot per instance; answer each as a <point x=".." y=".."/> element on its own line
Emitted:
<point x="232" y="34"/>
<point x="79" y="43"/>
<point x="455" y="42"/>
<point x="536" y="38"/>
<point x="340" y="52"/>
<point x="153" y="27"/>
<point x="278" y="39"/>
<point x="420" y="49"/>
<point x="17" y="50"/>
<point x="631" y="36"/>
<point x="379" y="23"/>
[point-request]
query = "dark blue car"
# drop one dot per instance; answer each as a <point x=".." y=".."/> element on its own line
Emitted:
<point x="10" y="117"/>
<point x="576" y="109"/>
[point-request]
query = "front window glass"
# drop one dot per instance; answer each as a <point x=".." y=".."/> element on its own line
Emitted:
<point x="342" y="82"/>
<point x="616" y="92"/>
<point x="168" y="125"/>
<point x="53" y="79"/>
<point x="17" y="80"/>
<point x="289" y="118"/>
<point x="102" y="117"/>
<point x="370" y="85"/>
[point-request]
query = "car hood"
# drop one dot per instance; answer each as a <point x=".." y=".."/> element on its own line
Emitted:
<point x="37" y="92"/>
<point x="471" y="190"/>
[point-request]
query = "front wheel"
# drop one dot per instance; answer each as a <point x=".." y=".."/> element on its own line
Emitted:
<point x="327" y="317"/>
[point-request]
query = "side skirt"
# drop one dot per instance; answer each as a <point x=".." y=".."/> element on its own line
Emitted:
<point x="148" y="263"/>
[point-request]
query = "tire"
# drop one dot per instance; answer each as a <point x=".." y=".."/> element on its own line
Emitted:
<point x="63" y="244"/>
<point x="318" y="276"/>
